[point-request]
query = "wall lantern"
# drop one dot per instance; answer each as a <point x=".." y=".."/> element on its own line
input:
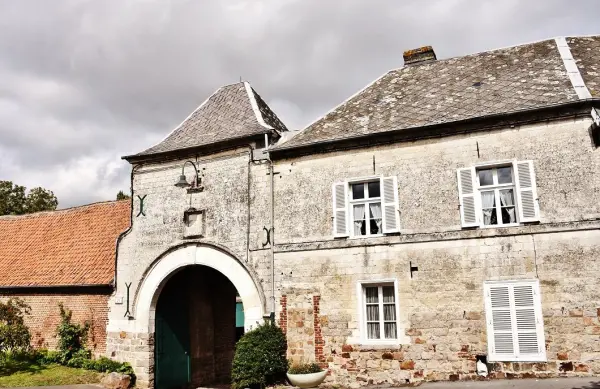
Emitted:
<point x="196" y="181"/>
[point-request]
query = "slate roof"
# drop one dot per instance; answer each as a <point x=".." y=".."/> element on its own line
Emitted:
<point x="233" y="111"/>
<point x="494" y="82"/>
<point x="69" y="247"/>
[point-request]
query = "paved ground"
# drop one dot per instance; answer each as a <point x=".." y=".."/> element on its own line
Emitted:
<point x="554" y="383"/>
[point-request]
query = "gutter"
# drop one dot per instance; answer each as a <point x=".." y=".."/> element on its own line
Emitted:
<point x="413" y="133"/>
<point x="67" y="286"/>
<point x="124" y="233"/>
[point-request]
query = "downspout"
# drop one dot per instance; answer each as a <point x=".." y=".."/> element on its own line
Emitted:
<point x="272" y="228"/>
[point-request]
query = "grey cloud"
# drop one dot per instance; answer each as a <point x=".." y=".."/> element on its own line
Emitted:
<point x="101" y="79"/>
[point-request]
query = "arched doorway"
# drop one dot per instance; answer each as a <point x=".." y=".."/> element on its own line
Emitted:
<point x="195" y="329"/>
<point x="189" y="297"/>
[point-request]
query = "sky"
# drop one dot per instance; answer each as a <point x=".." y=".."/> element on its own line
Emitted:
<point x="83" y="83"/>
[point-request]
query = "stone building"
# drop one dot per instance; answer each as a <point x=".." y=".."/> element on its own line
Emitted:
<point x="63" y="257"/>
<point x="448" y="212"/>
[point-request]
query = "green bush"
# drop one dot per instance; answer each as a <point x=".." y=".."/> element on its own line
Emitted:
<point x="305" y="368"/>
<point x="71" y="337"/>
<point x="260" y="358"/>
<point x="14" y="334"/>
<point x="46" y="357"/>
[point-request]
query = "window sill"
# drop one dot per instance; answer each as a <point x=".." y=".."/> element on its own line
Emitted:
<point x="389" y="344"/>
<point x="366" y="236"/>
<point x="500" y="226"/>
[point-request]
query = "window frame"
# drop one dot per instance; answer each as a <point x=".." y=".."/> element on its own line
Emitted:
<point x="496" y="188"/>
<point x="362" y="308"/>
<point x="366" y="201"/>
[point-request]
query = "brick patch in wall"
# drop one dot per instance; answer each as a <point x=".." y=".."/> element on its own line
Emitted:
<point x="91" y="306"/>
<point x="283" y="314"/>
<point x="319" y="342"/>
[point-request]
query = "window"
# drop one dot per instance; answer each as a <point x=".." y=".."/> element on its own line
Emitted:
<point x="380" y="312"/>
<point x="501" y="194"/>
<point x="497" y="191"/>
<point x="365" y="207"/>
<point x="515" y="326"/>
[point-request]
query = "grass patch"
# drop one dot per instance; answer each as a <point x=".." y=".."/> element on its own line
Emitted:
<point x="26" y="373"/>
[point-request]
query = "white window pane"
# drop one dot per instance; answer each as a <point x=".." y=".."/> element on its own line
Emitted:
<point x="488" y="207"/>
<point x="372" y="312"/>
<point x="486" y="177"/>
<point x="390" y="330"/>
<point x="388" y="294"/>
<point x="509" y="215"/>
<point x="389" y="312"/>
<point x="358" y="213"/>
<point x="375" y="218"/>
<point x="373" y="330"/>
<point x="507" y="197"/>
<point x="358" y="191"/>
<point x="374" y="189"/>
<point x="504" y="175"/>
<point x="372" y="294"/>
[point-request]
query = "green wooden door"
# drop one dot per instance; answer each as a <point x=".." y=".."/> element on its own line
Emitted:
<point x="172" y="348"/>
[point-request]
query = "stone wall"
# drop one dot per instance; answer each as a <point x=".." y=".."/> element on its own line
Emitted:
<point x="441" y="313"/>
<point x="566" y="165"/>
<point x="45" y="315"/>
<point x="233" y="186"/>
<point x="442" y="305"/>
<point x="442" y="317"/>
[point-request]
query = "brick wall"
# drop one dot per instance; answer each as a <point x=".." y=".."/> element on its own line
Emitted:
<point x="45" y="315"/>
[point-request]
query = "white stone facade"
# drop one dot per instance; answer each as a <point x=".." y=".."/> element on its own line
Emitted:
<point x="441" y="317"/>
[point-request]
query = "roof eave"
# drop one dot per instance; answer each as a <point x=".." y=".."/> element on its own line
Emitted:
<point x="433" y="130"/>
<point x="199" y="149"/>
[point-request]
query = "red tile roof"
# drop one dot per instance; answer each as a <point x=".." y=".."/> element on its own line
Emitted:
<point x="68" y="247"/>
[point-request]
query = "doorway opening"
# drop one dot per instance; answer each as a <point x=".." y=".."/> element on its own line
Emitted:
<point x="198" y="320"/>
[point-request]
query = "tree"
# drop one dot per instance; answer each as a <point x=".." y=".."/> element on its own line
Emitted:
<point x="13" y="200"/>
<point x="122" y="196"/>
<point x="40" y="199"/>
<point x="14" y="334"/>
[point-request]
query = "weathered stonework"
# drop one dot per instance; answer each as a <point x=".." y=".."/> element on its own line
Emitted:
<point x="441" y="316"/>
<point x="442" y="305"/>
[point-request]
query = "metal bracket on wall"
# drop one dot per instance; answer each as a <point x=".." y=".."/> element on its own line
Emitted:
<point x="141" y="212"/>
<point x="127" y="313"/>
<point x="268" y="241"/>
<point x="413" y="269"/>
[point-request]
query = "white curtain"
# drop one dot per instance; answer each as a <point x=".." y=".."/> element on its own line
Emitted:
<point x="359" y="216"/>
<point x="376" y="215"/>
<point x="507" y="200"/>
<point x="389" y="313"/>
<point x="372" y="301"/>
<point x="487" y="201"/>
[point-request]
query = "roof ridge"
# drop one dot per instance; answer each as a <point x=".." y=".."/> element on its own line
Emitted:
<point x="61" y="211"/>
<point x="254" y="104"/>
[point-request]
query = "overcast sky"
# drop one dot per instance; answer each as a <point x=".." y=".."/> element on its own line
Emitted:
<point x="83" y="83"/>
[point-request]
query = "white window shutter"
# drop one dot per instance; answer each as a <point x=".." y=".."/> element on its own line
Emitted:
<point x="500" y="331"/>
<point x="389" y="197"/>
<point x="526" y="191"/>
<point x="340" y="209"/>
<point x="468" y="197"/>
<point x="515" y="326"/>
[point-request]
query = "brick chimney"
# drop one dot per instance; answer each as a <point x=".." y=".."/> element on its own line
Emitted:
<point x="422" y="54"/>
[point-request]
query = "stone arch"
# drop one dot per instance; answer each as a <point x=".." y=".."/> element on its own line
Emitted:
<point x="197" y="254"/>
